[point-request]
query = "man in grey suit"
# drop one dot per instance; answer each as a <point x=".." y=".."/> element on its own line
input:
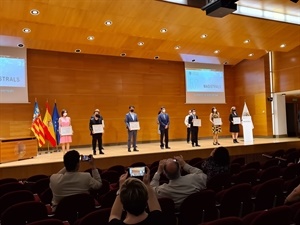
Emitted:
<point x="131" y="116"/>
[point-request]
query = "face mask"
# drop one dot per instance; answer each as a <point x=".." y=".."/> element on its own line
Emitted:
<point x="163" y="110"/>
<point x="131" y="110"/>
<point x="65" y="114"/>
<point x="194" y="113"/>
<point x="215" y="110"/>
<point x="234" y="110"/>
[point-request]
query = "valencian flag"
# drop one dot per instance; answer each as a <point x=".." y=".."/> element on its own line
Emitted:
<point x="55" y="118"/>
<point x="49" y="130"/>
<point x="37" y="125"/>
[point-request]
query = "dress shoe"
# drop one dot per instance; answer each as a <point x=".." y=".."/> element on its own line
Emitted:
<point x="234" y="141"/>
<point x="193" y="145"/>
<point x="197" y="145"/>
<point x="101" y="152"/>
<point x="161" y="147"/>
<point x="135" y="150"/>
<point x="168" y="148"/>
<point x="102" y="148"/>
<point x="94" y="152"/>
<point x="129" y="150"/>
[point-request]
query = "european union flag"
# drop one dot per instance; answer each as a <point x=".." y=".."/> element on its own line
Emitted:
<point x="55" y="118"/>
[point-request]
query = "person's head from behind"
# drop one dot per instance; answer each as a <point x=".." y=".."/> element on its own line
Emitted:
<point x="71" y="161"/>
<point x="134" y="196"/>
<point x="172" y="169"/>
<point x="221" y="156"/>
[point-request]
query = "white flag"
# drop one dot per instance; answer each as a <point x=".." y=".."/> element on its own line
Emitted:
<point x="247" y="113"/>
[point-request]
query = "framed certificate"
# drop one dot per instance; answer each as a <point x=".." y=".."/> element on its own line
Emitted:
<point x="217" y="121"/>
<point x="66" y="130"/>
<point x="236" y="120"/>
<point x="134" y="125"/>
<point x="197" y="122"/>
<point x="98" y="128"/>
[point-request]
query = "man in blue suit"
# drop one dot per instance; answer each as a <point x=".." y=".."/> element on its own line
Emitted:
<point x="164" y="122"/>
<point x="131" y="117"/>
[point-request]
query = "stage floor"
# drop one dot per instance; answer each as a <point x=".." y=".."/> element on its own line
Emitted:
<point x="48" y="163"/>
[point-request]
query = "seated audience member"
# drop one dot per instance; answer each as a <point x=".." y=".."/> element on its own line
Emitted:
<point x="133" y="197"/>
<point x="179" y="187"/>
<point x="294" y="196"/>
<point x="68" y="181"/>
<point x="217" y="163"/>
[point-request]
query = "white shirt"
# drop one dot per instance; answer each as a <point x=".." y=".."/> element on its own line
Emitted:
<point x="186" y="121"/>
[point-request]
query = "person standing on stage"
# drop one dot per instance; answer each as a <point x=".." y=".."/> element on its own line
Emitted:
<point x="164" y="122"/>
<point x="96" y="137"/>
<point x="131" y="116"/>
<point x="194" y="129"/>
<point x="188" y="127"/>
<point x="216" y="129"/>
<point x="65" y="140"/>
<point x="234" y="128"/>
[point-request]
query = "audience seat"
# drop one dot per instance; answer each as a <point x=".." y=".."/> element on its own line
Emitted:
<point x="168" y="209"/>
<point x="8" y="180"/>
<point x="269" y="163"/>
<point x="46" y="196"/>
<point x="225" y="221"/>
<point x="235" y="168"/>
<point x="268" y="174"/>
<point x="239" y="160"/>
<point x="117" y="168"/>
<point x="9" y="187"/>
<point x="40" y="186"/>
<point x="193" y="161"/>
<point x="111" y="176"/>
<point x="36" y="178"/>
<point x="107" y="200"/>
<point x="252" y="165"/>
<point x="99" y="216"/>
<point x="245" y="176"/>
<point x="49" y="222"/>
<point x="219" y="182"/>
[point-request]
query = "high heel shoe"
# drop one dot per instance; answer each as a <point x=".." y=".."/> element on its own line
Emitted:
<point x="215" y="143"/>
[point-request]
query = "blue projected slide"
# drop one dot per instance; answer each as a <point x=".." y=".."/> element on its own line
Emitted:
<point x="12" y="72"/>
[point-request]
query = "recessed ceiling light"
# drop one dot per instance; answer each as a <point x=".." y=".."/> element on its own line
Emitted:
<point x="282" y="45"/>
<point x="123" y="54"/>
<point x="246" y="41"/>
<point x="20" y="45"/>
<point x="140" y="43"/>
<point x="77" y="50"/>
<point x="163" y="30"/>
<point x="193" y="60"/>
<point x="251" y="54"/>
<point x="156" y="57"/>
<point x="108" y="22"/>
<point x="34" y="12"/>
<point x="90" y="38"/>
<point x="26" y="30"/>
<point x="217" y="51"/>
<point x="177" y="47"/>
<point x="225" y="63"/>
<point x="204" y="36"/>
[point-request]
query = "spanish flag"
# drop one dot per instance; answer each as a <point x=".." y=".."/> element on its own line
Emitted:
<point x="49" y="130"/>
<point x="37" y="125"/>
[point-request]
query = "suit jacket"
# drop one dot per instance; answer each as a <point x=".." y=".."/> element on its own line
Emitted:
<point x="191" y="120"/>
<point x="163" y="120"/>
<point x="128" y="119"/>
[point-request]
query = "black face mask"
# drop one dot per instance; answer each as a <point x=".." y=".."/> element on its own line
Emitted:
<point x="234" y="110"/>
<point x="131" y="110"/>
<point x="97" y="115"/>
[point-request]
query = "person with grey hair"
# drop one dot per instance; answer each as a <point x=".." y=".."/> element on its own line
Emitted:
<point x="179" y="187"/>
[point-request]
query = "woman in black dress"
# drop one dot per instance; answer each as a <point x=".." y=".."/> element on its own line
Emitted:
<point x="234" y="128"/>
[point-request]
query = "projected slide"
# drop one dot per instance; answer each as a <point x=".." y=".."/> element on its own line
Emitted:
<point x="204" y="83"/>
<point x="12" y="73"/>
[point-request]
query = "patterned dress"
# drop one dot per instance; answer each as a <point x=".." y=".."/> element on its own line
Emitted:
<point x="215" y="129"/>
<point x="65" y="122"/>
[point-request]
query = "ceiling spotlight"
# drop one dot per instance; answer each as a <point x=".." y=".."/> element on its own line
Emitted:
<point x="77" y="50"/>
<point x="246" y="41"/>
<point x="156" y="57"/>
<point x="193" y="60"/>
<point x="20" y="45"/>
<point x="217" y="51"/>
<point x="177" y="47"/>
<point x="251" y="54"/>
<point x="225" y="63"/>
<point x="123" y="54"/>
<point x="90" y="38"/>
<point x="204" y="36"/>
<point x="26" y="30"/>
<point x="140" y="43"/>
<point x="34" y="12"/>
<point x="108" y="22"/>
<point x="282" y="45"/>
<point x="163" y="30"/>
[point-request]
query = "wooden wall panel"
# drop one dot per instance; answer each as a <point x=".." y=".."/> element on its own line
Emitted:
<point x="287" y="70"/>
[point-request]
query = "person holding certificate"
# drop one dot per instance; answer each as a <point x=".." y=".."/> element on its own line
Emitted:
<point x="164" y="122"/>
<point x="235" y="120"/>
<point x="96" y="129"/>
<point x="193" y="121"/>
<point x="132" y="125"/>
<point x="65" y="131"/>
<point x="215" y="119"/>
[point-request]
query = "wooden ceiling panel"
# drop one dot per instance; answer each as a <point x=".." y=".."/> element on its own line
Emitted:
<point x="64" y="25"/>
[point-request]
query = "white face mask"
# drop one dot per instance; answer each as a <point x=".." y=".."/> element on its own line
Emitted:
<point x="163" y="110"/>
<point x="194" y="113"/>
<point x="65" y="114"/>
<point x="215" y="110"/>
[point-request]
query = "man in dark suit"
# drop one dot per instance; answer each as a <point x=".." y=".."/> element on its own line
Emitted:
<point x="194" y="129"/>
<point x="131" y="117"/>
<point x="96" y="137"/>
<point x="164" y="122"/>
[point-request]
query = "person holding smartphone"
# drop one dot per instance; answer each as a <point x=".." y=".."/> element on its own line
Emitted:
<point x="134" y="196"/>
<point x="96" y="137"/>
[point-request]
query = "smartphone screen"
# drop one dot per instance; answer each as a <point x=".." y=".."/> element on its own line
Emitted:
<point x="136" y="171"/>
<point x="85" y="158"/>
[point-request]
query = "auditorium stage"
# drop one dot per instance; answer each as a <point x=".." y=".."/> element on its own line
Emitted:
<point x="48" y="163"/>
